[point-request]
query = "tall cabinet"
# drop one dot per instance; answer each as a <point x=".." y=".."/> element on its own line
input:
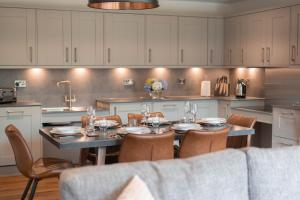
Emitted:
<point x="53" y="37"/>
<point x="215" y="40"/>
<point x="192" y="41"/>
<point x="17" y="36"/>
<point x="124" y="39"/>
<point x="161" y="40"/>
<point x="87" y="38"/>
<point x="295" y="35"/>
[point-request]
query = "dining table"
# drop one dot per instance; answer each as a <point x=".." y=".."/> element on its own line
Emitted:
<point x="111" y="137"/>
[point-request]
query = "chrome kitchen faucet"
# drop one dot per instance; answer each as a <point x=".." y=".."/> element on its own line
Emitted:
<point x="71" y="98"/>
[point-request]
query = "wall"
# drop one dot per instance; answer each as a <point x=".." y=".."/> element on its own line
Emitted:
<point x="282" y="86"/>
<point x="255" y="77"/>
<point x="91" y="84"/>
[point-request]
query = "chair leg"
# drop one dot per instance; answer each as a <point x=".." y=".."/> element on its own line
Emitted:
<point x="26" y="189"/>
<point x="32" y="193"/>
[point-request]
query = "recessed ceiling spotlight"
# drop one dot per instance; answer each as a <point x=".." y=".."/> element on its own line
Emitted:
<point x="123" y="4"/>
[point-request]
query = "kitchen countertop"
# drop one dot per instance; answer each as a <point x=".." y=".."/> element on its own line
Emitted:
<point x="20" y="104"/>
<point x="291" y="107"/>
<point x="174" y="98"/>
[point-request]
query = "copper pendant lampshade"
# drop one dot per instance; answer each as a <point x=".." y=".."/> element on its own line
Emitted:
<point x="123" y="4"/>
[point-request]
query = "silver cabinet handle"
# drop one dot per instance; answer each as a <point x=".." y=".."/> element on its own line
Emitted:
<point x="169" y="105"/>
<point x="263" y="55"/>
<point x="242" y="56"/>
<point x="230" y="53"/>
<point x="181" y="56"/>
<point x="149" y="55"/>
<point x="15" y="112"/>
<point x="284" y="144"/>
<point x="67" y="54"/>
<point x="108" y="55"/>
<point x="294" y="53"/>
<point x="268" y="54"/>
<point x="30" y="54"/>
<point x="211" y="56"/>
<point x="75" y="54"/>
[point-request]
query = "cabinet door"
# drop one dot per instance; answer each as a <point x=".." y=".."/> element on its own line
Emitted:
<point x="278" y="37"/>
<point x="295" y="35"/>
<point x="192" y="41"/>
<point x="54" y="37"/>
<point x="215" y="41"/>
<point x="27" y="120"/>
<point x="256" y="42"/>
<point x="87" y="38"/>
<point x="228" y="36"/>
<point x="161" y="40"/>
<point x="17" y="36"/>
<point x="172" y="111"/>
<point x="124" y="39"/>
<point x="206" y="108"/>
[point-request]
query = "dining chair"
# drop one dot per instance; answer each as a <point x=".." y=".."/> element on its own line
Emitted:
<point x="240" y="141"/>
<point x="139" y="117"/>
<point x="148" y="147"/>
<point x="199" y="142"/>
<point x="90" y="154"/>
<point x="41" y="169"/>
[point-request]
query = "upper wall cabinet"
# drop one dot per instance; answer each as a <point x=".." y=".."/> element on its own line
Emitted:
<point x="54" y="37"/>
<point x="268" y="38"/>
<point x="295" y="35"/>
<point x="215" y="41"/>
<point x="235" y="33"/>
<point x="124" y="39"/>
<point x="87" y="38"/>
<point x="17" y="37"/>
<point x="161" y="40"/>
<point x="192" y="41"/>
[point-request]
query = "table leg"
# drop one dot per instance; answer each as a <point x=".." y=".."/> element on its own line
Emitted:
<point x="101" y="156"/>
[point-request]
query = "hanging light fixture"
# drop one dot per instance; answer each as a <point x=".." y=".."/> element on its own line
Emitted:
<point x="123" y="4"/>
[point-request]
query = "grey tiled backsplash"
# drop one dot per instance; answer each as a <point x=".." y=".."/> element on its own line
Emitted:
<point x="91" y="84"/>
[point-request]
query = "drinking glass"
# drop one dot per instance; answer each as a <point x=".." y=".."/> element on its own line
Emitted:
<point x="103" y="125"/>
<point x="194" y="112"/>
<point x="90" y="129"/>
<point x="144" y="112"/>
<point x="132" y="123"/>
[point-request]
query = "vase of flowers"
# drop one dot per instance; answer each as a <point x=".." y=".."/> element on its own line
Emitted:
<point x="155" y="87"/>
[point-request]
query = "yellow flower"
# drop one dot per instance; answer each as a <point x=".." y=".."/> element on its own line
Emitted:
<point x="149" y="81"/>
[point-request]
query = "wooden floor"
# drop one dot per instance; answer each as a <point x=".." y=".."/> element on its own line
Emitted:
<point x="12" y="187"/>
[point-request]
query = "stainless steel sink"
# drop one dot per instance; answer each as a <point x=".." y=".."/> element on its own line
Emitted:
<point x="64" y="109"/>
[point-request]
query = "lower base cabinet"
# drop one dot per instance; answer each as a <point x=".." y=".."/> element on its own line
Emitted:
<point x="28" y="121"/>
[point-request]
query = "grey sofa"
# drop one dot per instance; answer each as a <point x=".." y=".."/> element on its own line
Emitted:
<point x="255" y="174"/>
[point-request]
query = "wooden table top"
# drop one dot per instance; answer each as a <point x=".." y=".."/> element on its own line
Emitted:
<point x="112" y="139"/>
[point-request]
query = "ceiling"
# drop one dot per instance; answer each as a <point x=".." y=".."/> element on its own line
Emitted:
<point x="167" y="7"/>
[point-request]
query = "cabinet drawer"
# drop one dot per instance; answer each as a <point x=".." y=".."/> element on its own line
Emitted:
<point x="282" y="142"/>
<point x="15" y="111"/>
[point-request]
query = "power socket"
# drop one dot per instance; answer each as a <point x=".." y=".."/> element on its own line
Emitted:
<point x="20" y="83"/>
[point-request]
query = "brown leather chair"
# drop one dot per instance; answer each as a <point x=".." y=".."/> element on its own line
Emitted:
<point x="35" y="171"/>
<point x="147" y="147"/>
<point x="198" y="142"/>
<point x="240" y="141"/>
<point x="139" y="117"/>
<point x="90" y="154"/>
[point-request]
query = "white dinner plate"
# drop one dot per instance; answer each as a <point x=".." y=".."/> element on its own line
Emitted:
<point x="110" y="123"/>
<point x="134" y="130"/>
<point x="186" y="127"/>
<point x="161" y="120"/>
<point x="212" y="121"/>
<point x="66" y="130"/>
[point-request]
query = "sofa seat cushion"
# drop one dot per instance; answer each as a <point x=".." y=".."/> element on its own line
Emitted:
<point x="274" y="173"/>
<point x="215" y="176"/>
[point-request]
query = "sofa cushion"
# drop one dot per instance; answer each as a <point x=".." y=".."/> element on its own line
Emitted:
<point x="274" y="173"/>
<point x="216" y="176"/>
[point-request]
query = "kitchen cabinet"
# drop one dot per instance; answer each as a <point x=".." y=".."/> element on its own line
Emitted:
<point x="173" y="110"/>
<point x="17" y="37"/>
<point x="124" y="39"/>
<point x="295" y="35"/>
<point x="235" y="38"/>
<point x="286" y="124"/>
<point x="87" y="38"/>
<point x="161" y="40"/>
<point x="268" y="38"/>
<point x="215" y="39"/>
<point x="192" y="41"/>
<point x="206" y="109"/>
<point x="53" y="37"/>
<point x="28" y="121"/>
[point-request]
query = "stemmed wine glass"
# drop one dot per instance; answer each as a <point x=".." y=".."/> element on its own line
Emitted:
<point x="156" y="123"/>
<point x="103" y="125"/>
<point x="145" y="112"/>
<point x="194" y="110"/>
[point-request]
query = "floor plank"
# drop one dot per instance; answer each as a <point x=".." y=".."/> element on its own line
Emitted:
<point x="12" y="187"/>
